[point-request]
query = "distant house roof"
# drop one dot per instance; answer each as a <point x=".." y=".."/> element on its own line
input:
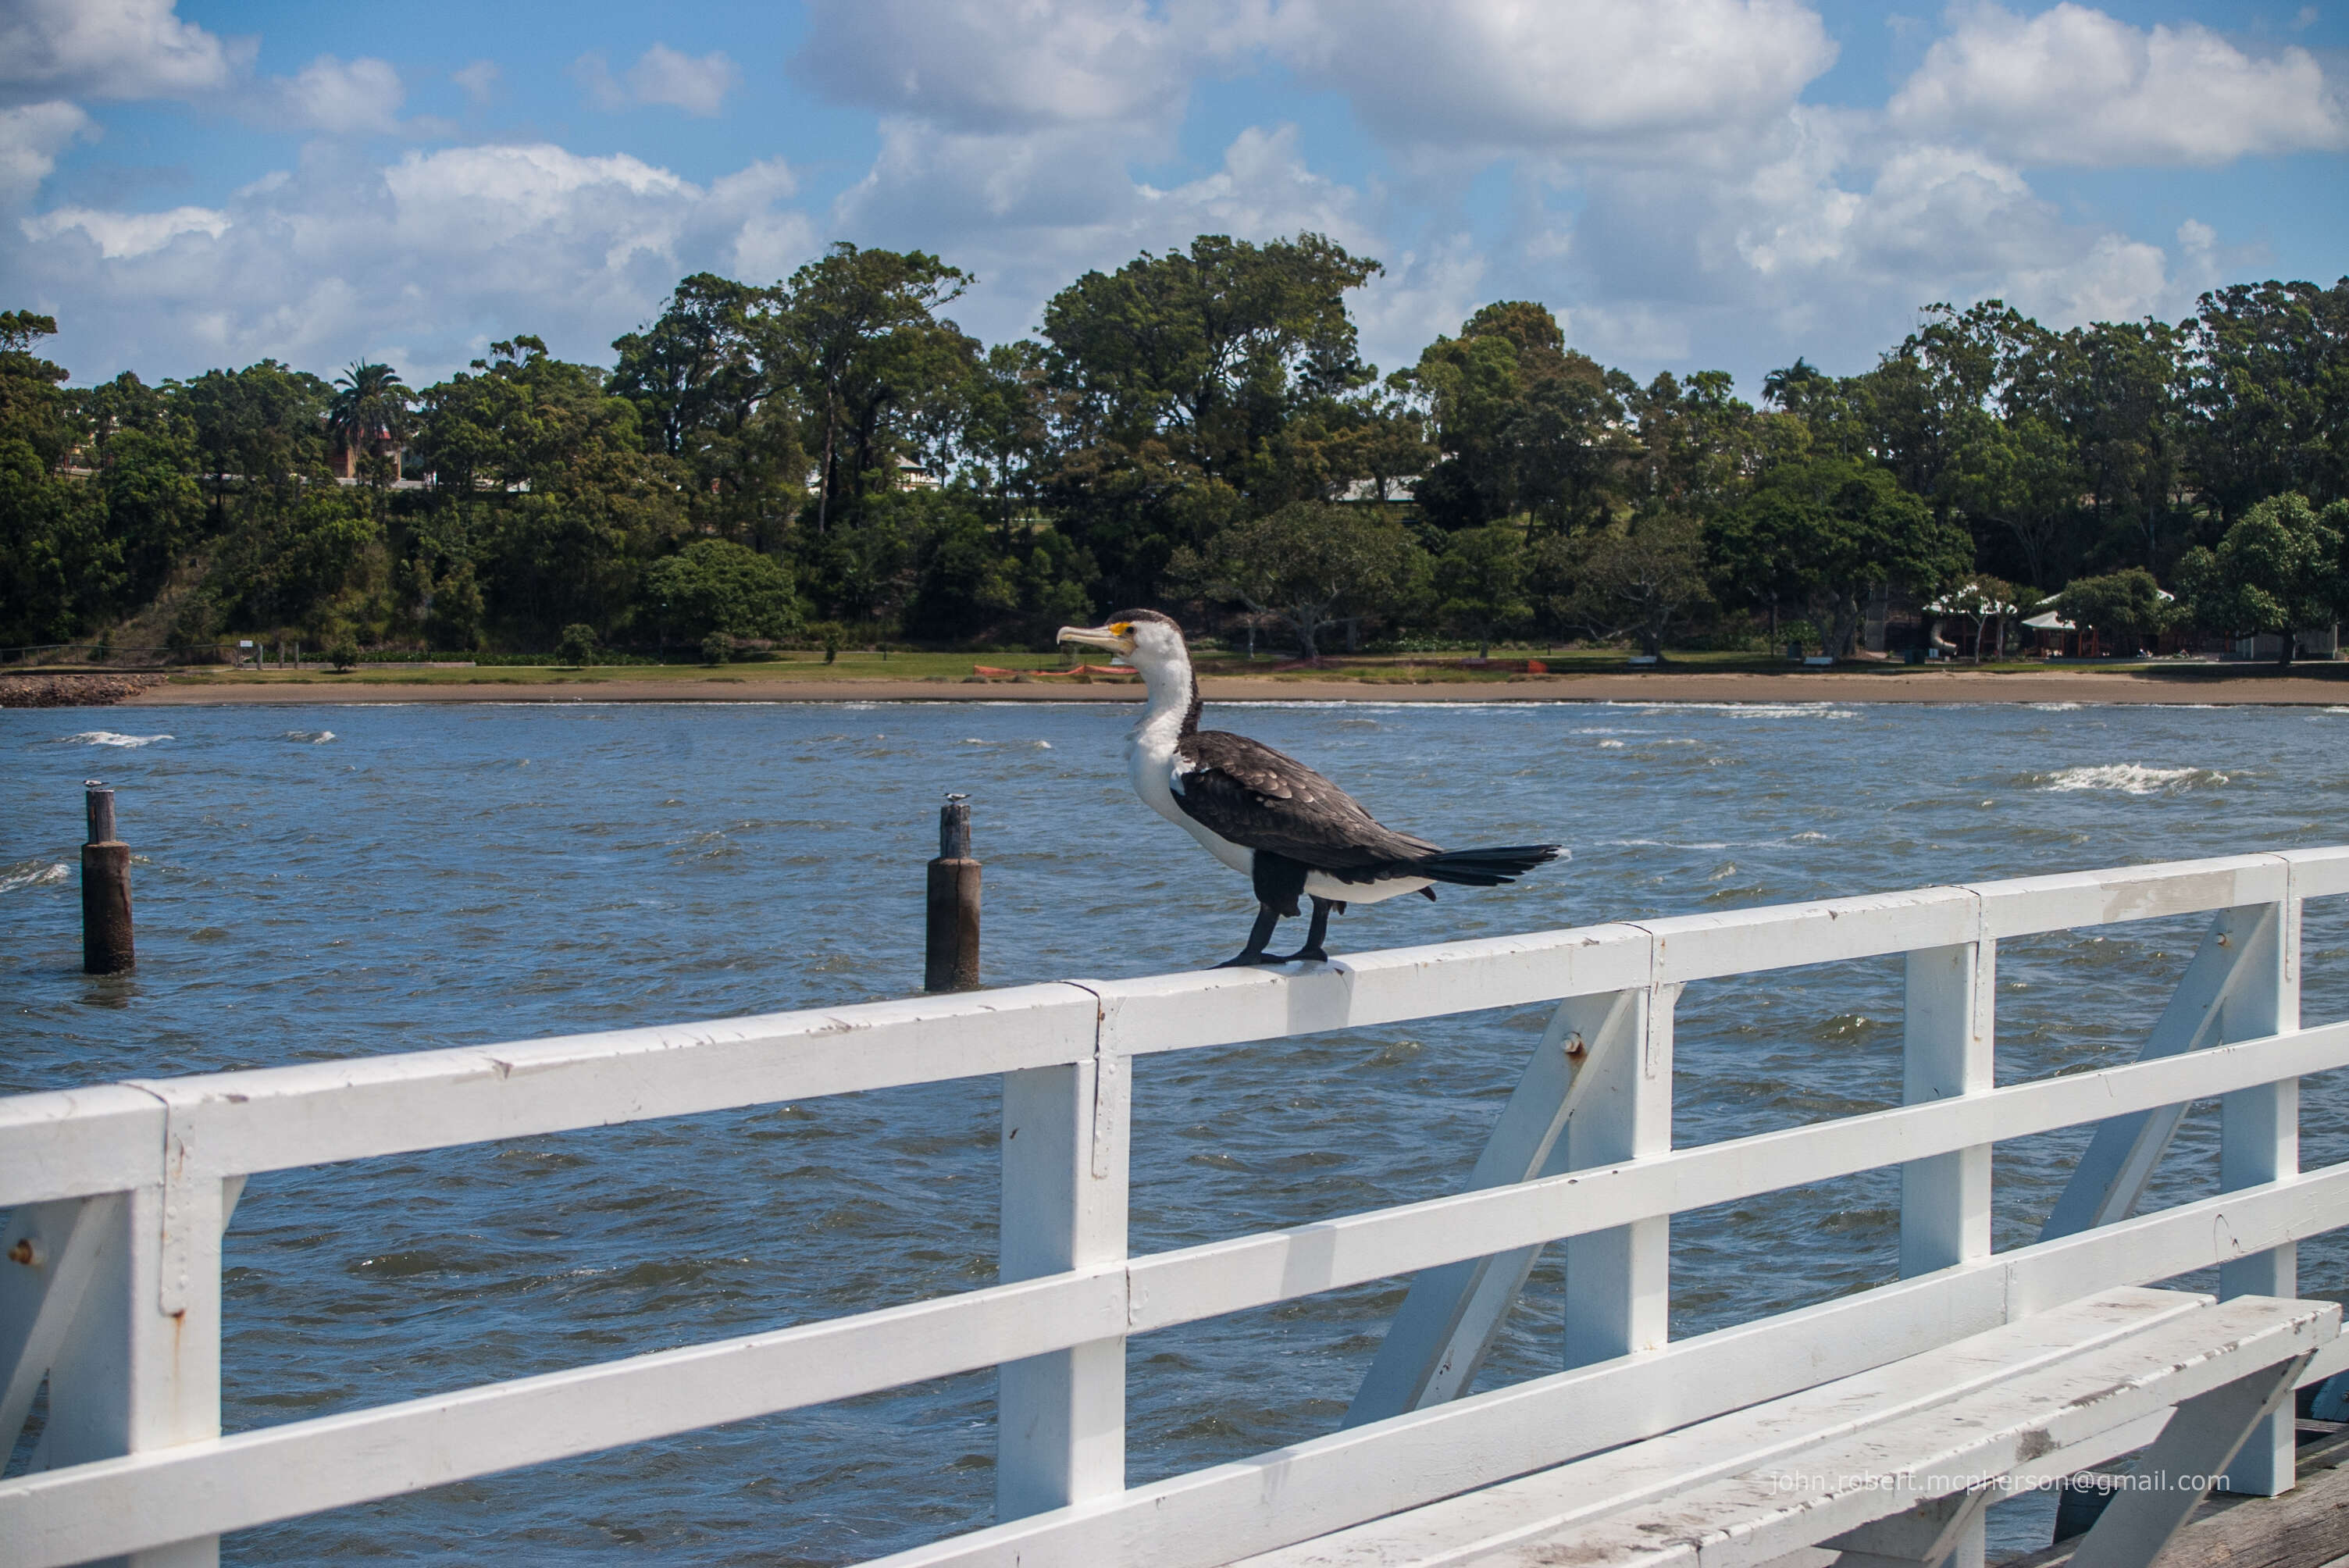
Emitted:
<point x="2050" y="622"/>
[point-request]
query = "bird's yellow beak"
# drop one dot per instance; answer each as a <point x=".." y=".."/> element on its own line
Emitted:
<point x="1117" y="637"/>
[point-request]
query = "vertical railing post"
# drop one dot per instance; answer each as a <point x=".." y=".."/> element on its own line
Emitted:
<point x="1949" y="1016"/>
<point x="2259" y="1141"/>
<point x="1060" y="1417"/>
<point x="133" y="1375"/>
<point x="1619" y="1282"/>
<point x="1946" y="1051"/>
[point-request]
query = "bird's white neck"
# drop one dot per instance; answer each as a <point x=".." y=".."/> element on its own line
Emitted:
<point x="1150" y="758"/>
<point x="1174" y="692"/>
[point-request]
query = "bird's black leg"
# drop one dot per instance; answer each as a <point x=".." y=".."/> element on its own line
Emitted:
<point x="1267" y="917"/>
<point x="1311" y="951"/>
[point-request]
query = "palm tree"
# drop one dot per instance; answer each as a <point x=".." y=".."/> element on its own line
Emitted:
<point x="368" y="411"/>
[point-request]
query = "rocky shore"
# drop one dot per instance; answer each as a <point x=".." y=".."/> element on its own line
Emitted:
<point x="72" y="690"/>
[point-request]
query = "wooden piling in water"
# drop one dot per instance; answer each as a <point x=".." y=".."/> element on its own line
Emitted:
<point x="950" y="959"/>
<point x="105" y="941"/>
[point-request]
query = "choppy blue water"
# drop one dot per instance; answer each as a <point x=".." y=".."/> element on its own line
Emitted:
<point x="327" y="881"/>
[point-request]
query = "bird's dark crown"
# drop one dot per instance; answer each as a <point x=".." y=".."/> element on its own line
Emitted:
<point x="1146" y="615"/>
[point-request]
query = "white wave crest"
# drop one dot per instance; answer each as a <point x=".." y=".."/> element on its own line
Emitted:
<point x="1605" y="744"/>
<point x="2132" y="778"/>
<point x="32" y="873"/>
<point x="2056" y="706"/>
<point x="1750" y="710"/>
<point x="310" y="736"/>
<point x="109" y="738"/>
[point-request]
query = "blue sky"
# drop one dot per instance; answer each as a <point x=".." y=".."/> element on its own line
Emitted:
<point x="1687" y="183"/>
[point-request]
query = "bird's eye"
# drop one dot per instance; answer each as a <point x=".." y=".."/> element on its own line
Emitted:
<point x="1123" y="628"/>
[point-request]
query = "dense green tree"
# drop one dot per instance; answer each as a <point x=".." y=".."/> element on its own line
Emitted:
<point x="303" y="564"/>
<point x="1833" y="529"/>
<point x="1525" y="424"/>
<point x="59" y="569"/>
<point x="715" y="585"/>
<point x="1181" y="382"/>
<point x="1312" y="564"/>
<point x="1480" y="583"/>
<point x="2013" y="480"/>
<point x="695" y="374"/>
<point x="2279" y="568"/>
<point x="1194" y="423"/>
<point x="2268" y="380"/>
<point x="706" y="398"/>
<point x="2125" y="607"/>
<point x="1635" y="577"/>
<point x="859" y="336"/>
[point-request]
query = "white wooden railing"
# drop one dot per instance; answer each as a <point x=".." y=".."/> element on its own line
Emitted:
<point x="118" y="1196"/>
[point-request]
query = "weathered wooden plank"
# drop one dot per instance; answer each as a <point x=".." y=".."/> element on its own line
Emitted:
<point x="2027" y="905"/>
<point x="1993" y="1377"/>
<point x="1178" y="1012"/>
<point x="1782" y="936"/>
<point x="78" y="1142"/>
<point x="1746" y="1489"/>
<point x="273" y="1118"/>
<point x="148" y="1498"/>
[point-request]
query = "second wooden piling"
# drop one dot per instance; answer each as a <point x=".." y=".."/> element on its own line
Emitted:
<point x="951" y="951"/>
<point x="105" y="941"/>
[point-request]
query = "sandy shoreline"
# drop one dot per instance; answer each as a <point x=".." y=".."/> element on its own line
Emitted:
<point x="2328" y="690"/>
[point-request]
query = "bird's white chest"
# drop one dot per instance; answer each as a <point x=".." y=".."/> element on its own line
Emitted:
<point x="1155" y="767"/>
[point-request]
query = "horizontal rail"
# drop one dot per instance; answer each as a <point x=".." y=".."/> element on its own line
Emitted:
<point x="112" y="1137"/>
<point x="152" y="1499"/>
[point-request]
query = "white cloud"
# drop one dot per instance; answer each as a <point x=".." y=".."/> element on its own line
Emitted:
<point x="110" y="49"/>
<point x="441" y="250"/>
<point x="120" y="234"/>
<point x="479" y="80"/>
<point x="698" y="85"/>
<point x="1568" y="75"/>
<point x="31" y="137"/>
<point x="363" y="96"/>
<point x="999" y="68"/>
<point x="2072" y="85"/>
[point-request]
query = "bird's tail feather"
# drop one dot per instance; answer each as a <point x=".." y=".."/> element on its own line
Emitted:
<point x="1487" y="867"/>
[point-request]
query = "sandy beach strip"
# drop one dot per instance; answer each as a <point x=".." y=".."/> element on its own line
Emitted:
<point x="2200" y="687"/>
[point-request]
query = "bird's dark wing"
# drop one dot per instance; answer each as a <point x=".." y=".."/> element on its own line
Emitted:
<point x="1256" y="798"/>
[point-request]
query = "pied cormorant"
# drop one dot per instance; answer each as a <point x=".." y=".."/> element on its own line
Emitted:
<point x="1268" y="816"/>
